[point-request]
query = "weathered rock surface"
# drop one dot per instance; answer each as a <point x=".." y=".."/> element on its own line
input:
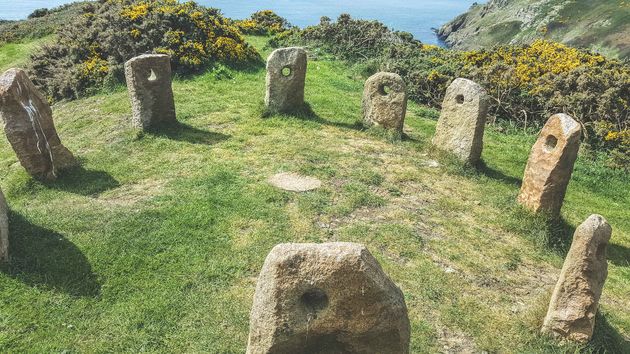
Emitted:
<point x="150" y="89"/>
<point x="385" y="101"/>
<point x="550" y="165"/>
<point x="574" y="302"/>
<point x="4" y="229"/>
<point x="294" y="183"/>
<point x="29" y="127"/>
<point x="286" y="76"/>
<point x="463" y="120"/>
<point x="326" y="298"/>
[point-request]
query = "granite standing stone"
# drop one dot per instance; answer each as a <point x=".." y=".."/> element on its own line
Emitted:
<point x="4" y="229"/>
<point x="462" y="121"/>
<point x="150" y="88"/>
<point x="550" y="165"/>
<point x="29" y="127"/>
<point x="575" y="299"/>
<point x="286" y="76"/>
<point x="326" y="298"/>
<point x="385" y="101"/>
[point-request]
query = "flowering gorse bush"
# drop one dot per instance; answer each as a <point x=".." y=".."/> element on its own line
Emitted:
<point x="527" y="83"/>
<point x="92" y="50"/>
<point x="263" y="22"/>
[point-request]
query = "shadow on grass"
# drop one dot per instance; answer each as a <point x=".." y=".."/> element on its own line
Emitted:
<point x="560" y="234"/>
<point x="43" y="257"/>
<point x="490" y="172"/>
<point x="619" y="255"/>
<point x="606" y="339"/>
<point x="184" y="132"/>
<point x="306" y="112"/>
<point x="78" y="180"/>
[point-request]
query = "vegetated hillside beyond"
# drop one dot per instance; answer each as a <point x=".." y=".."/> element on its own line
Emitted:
<point x="602" y="25"/>
<point x="155" y="243"/>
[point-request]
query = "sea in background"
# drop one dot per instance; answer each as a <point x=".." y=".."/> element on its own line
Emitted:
<point x="418" y="17"/>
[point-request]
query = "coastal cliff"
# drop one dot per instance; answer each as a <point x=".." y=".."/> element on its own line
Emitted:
<point x="601" y="26"/>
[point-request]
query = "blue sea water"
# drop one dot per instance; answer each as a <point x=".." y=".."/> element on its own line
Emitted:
<point x="415" y="16"/>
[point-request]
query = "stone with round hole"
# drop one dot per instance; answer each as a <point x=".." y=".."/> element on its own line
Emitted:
<point x="326" y="298"/>
<point x="286" y="76"/>
<point x="29" y="127"/>
<point x="462" y="121"/>
<point x="385" y="101"/>
<point x="573" y="305"/>
<point x="150" y="89"/>
<point x="550" y="165"/>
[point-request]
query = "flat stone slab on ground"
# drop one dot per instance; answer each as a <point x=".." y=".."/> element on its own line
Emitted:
<point x="294" y="182"/>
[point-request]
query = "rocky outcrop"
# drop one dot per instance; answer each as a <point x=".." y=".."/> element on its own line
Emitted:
<point x="522" y="21"/>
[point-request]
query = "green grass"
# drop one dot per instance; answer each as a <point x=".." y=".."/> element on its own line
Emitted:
<point x="155" y="243"/>
<point x="16" y="54"/>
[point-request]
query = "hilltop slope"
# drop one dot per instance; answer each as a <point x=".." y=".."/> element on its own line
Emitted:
<point x="154" y="245"/>
<point x="602" y="25"/>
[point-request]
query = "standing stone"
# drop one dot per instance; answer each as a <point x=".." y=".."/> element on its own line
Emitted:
<point x="385" y="101"/>
<point x="29" y="127"/>
<point x="575" y="299"/>
<point x="149" y="84"/>
<point x="286" y="76"/>
<point x="326" y="298"/>
<point x="462" y="121"/>
<point x="4" y="229"/>
<point x="550" y="165"/>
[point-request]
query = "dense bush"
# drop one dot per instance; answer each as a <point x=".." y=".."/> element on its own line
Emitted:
<point x="526" y="83"/>
<point x="263" y="22"/>
<point x="92" y="50"/>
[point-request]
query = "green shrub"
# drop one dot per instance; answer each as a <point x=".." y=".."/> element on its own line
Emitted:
<point x="263" y="22"/>
<point x="91" y="51"/>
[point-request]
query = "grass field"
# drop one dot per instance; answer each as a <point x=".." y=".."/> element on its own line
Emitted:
<point x="154" y="245"/>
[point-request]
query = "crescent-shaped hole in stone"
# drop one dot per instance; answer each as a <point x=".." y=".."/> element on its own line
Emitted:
<point x="286" y="71"/>
<point x="314" y="300"/>
<point x="152" y="77"/>
<point x="459" y="99"/>
<point x="550" y="143"/>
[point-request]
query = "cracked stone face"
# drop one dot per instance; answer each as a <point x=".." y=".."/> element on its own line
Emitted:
<point x="326" y="298"/>
<point x="550" y="165"/>
<point x="385" y="101"/>
<point x="286" y="76"/>
<point x="150" y="89"/>
<point x="4" y="229"/>
<point x="462" y="121"/>
<point x="575" y="299"/>
<point x="29" y="127"/>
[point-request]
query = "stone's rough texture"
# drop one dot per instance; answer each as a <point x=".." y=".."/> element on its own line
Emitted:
<point x="550" y="165"/>
<point x="385" y="101"/>
<point x="29" y="127"/>
<point x="4" y="229"/>
<point x="286" y="76"/>
<point x="294" y="182"/>
<point x="574" y="302"/>
<point x="463" y="120"/>
<point x="326" y="298"/>
<point x="149" y="84"/>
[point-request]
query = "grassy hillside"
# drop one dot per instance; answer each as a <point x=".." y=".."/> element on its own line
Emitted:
<point x="601" y="25"/>
<point x="156" y="242"/>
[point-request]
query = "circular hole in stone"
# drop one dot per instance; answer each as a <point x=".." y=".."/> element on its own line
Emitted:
<point x="286" y="71"/>
<point x="152" y="76"/>
<point x="459" y="99"/>
<point x="384" y="90"/>
<point x="314" y="300"/>
<point x="550" y="143"/>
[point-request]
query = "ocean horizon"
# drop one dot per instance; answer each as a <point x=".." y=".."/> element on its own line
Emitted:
<point x="418" y="17"/>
